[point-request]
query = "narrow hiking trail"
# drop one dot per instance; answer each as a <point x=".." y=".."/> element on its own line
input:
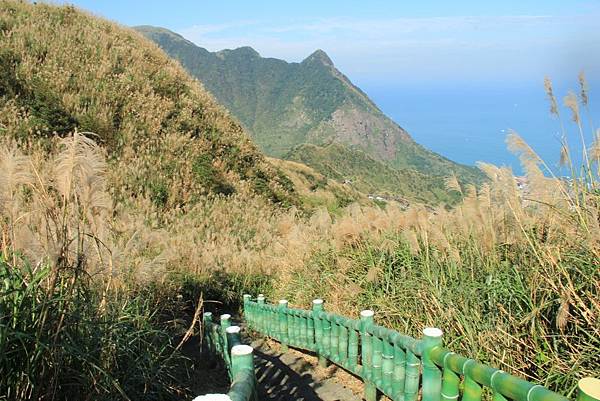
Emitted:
<point x="295" y="376"/>
<point x="289" y="376"/>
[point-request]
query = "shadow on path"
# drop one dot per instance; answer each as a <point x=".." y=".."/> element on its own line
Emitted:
<point x="277" y="381"/>
<point x="291" y="377"/>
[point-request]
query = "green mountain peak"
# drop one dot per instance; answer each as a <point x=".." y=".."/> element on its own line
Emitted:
<point x="154" y="30"/>
<point x="244" y="51"/>
<point x="319" y="56"/>
<point x="284" y="105"/>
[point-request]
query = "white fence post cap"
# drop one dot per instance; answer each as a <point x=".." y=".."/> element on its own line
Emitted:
<point x="233" y="329"/>
<point x="212" y="397"/>
<point x="590" y="386"/>
<point x="241" y="350"/>
<point x="432" y="332"/>
<point x="367" y="313"/>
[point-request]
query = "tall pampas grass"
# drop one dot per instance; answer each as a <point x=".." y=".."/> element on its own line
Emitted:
<point x="514" y="263"/>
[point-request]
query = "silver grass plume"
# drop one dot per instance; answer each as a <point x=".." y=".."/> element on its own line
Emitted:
<point x="14" y="172"/>
<point x="584" y="89"/>
<point x="595" y="148"/>
<point x="80" y="168"/>
<point x="452" y="184"/>
<point x="570" y="101"/>
<point x="551" y="97"/>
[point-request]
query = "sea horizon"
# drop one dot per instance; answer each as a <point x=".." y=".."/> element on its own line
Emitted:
<point x="468" y="123"/>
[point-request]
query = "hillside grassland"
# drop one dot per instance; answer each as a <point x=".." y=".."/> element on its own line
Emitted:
<point x="150" y="116"/>
<point x="123" y="184"/>
<point x="130" y="202"/>
<point x="370" y="176"/>
<point x="317" y="191"/>
<point x="511" y="276"/>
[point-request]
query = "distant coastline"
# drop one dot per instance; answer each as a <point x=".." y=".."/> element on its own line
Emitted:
<point x="470" y="124"/>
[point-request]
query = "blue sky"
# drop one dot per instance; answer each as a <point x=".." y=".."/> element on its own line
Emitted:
<point x="392" y="41"/>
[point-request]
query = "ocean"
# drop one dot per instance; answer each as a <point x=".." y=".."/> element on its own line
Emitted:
<point x="469" y="123"/>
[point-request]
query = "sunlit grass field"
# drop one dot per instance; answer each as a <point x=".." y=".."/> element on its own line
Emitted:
<point x="116" y="229"/>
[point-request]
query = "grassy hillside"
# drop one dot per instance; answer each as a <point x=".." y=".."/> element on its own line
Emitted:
<point x="510" y="275"/>
<point x="371" y="176"/>
<point x="123" y="187"/>
<point x="286" y="104"/>
<point x="317" y="191"/>
<point x="174" y="140"/>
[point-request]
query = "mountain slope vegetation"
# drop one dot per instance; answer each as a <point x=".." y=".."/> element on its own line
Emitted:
<point x="283" y="105"/>
<point x="174" y="140"/>
<point x="370" y="176"/>
<point x="124" y="189"/>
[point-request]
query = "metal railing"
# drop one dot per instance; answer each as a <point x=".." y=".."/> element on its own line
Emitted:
<point x="397" y="365"/>
<point x="224" y="341"/>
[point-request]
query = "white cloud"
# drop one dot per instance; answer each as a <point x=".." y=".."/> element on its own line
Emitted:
<point x="204" y="29"/>
<point x="405" y="25"/>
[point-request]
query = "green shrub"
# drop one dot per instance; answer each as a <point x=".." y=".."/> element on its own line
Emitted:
<point x="61" y="339"/>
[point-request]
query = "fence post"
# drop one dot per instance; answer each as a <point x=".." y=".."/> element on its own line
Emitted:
<point x="432" y="375"/>
<point x="283" y="325"/>
<point x="247" y="313"/>
<point x="353" y="349"/>
<point x="366" y="320"/>
<point x="242" y="359"/>
<point x="206" y="331"/>
<point x="225" y="323"/>
<point x="303" y="330"/>
<point x="317" y="307"/>
<point x="334" y="341"/>
<point x="588" y="389"/>
<point x="222" y="337"/>
<point x="310" y="331"/>
<point x="233" y="337"/>
<point x="261" y="313"/>
<point x="343" y="342"/>
<point x="412" y="375"/>
<point x="225" y="320"/>
<point x="387" y="366"/>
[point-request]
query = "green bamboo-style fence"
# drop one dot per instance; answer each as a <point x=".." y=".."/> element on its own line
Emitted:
<point x="224" y="341"/>
<point x="397" y="365"/>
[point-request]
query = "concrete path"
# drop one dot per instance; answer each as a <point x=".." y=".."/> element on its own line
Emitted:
<point x="294" y="376"/>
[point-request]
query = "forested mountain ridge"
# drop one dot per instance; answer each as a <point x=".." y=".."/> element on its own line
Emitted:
<point x="283" y="104"/>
